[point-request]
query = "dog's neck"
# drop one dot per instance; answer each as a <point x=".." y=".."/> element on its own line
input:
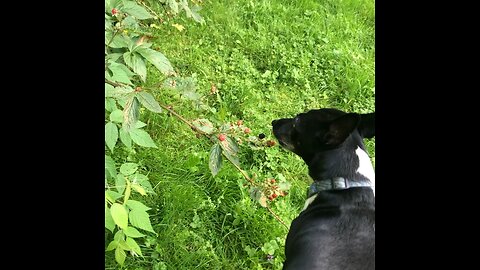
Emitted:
<point x="350" y="162"/>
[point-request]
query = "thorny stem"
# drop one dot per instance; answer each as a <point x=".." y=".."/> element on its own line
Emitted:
<point x="169" y="109"/>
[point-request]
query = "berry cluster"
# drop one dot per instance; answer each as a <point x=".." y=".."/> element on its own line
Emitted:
<point x="272" y="190"/>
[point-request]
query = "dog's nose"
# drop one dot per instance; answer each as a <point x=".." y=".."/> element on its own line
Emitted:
<point x="274" y="121"/>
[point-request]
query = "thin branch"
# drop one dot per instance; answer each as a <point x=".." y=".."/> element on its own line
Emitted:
<point x="276" y="217"/>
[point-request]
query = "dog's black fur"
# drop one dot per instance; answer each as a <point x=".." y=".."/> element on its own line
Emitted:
<point x="337" y="230"/>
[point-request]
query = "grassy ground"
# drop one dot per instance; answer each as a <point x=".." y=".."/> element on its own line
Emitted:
<point x="269" y="59"/>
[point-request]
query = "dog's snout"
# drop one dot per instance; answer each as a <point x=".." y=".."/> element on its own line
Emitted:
<point x="274" y="121"/>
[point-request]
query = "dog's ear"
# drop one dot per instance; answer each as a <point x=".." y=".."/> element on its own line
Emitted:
<point x="341" y="128"/>
<point x="367" y="125"/>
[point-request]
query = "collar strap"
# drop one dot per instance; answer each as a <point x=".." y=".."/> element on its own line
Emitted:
<point x="336" y="183"/>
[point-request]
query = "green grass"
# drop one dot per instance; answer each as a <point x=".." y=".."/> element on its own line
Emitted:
<point x="268" y="59"/>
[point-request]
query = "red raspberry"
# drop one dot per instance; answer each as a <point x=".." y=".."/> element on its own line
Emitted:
<point x="270" y="143"/>
<point x="247" y="130"/>
<point x="239" y="122"/>
<point x="274" y="195"/>
<point x="272" y="181"/>
<point x="114" y="11"/>
<point x="222" y="137"/>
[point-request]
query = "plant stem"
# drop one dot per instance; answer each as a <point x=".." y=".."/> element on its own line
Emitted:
<point x="250" y="180"/>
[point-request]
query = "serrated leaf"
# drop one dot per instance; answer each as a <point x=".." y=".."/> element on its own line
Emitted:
<point x="135" y="10"/>
<point x="257" y="195"/>
<point x="197" y="16"/>
<point x="119" y="215"/>
<point x="141" y="220"/>
<point x="120" y="183"/>
<point x="204" y="125"/>
<point x="139" y="189"/>
<point x="119" y="236"/>
<point x="157" y="59"/>
<point x="128" y="168"/>
<point x="230" y="149"/>
<point x="109" y="90"/>
<point x="110" y="104"/>
<point x="119" y="41"/>
<point x="113" y="245"/>
<point x="121" y="92"/>
<point x="142" y="138"/>
<point x="173" y="5"/>
<point x="125" y="138"/>
<point x="123" y="245"/>
<point x="119" y="74"/>
<point x="215" y="160"/>
<point x="112" y="196"/>
<point x="116" y="116"/>
<point x="111" y="135"/>
<point x="137" y="206"/>
<point x="134" y="246"/>
<point x="130" y="113"/>
<point x="132" y="232"/>
<point x="110" y="166"/>
<point x="139" y="124"/>
<point x="143" y="181"/>
<point x="136" y="64"/>
<point x="147" y="100"/>
<point x="139" y="67"/>
<point x="109" y="223"/>
<point x="120" y="255"/>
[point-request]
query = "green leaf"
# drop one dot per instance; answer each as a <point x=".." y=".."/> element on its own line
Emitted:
<point x="112" y="245"/>
<point x="125" y="138"/>
<point x="132" y="232"/>
<point x="157" y="59"/>
<point x="197" y="16"/>
<point x="112" y="196"/>
<point x="128" y="168"/>
<point x="130" y="113"/>
<point x="139" y="124"/>
<point x="119" y="215"/>
<point x="111" y="135"/>
<point x="173" y="6"/>
<point x="270" y="247"/>
<point x="119" y="236"/>
<point x="139" y="189"/>
<point x="108" y="90"/>
<point x="119" y="41"/>
<point x="149" y="102"/>
<point x="142" y="180"/>
<point x="116" y="116"/>
<point x="140" y="219"/>
<point x="230" y="148"/>
<point x="120" y="183"/>
<point x="258" y="195"/>
<point x="110" y="166"/>
<point x="120" y="255"/>
<point x="204" y="125"/>
<point x="109" y="223"/>
<point x="134" y="246"/>
<point x="110" y="104"/>
<point x="215" y="161"/>
<point x="139" y="66"/>
<point x="136" y="64"/>
<point x="135" y="10"/>
<point x="118" y="73"/>
<point x="120" y="92"/>
<point x="142" y="138"/>
<point x="137" y="206"/>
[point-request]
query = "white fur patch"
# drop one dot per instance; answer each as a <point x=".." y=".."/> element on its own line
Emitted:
<point x="365" y="167"/>
<point x="309" y="201"/>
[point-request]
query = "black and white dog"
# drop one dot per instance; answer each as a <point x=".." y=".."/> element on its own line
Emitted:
<point x="336" y="229"/>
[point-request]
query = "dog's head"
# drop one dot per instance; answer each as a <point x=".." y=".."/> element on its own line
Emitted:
<point x="323" y="131"/>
